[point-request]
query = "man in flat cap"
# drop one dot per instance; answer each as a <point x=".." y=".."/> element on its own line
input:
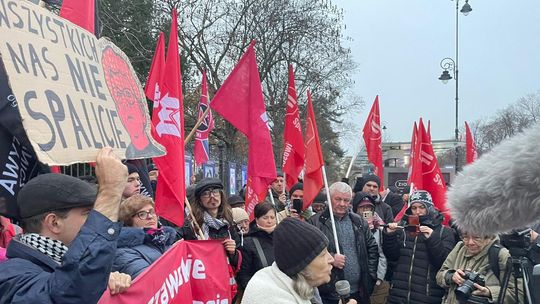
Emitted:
<point x="69" y="244"/>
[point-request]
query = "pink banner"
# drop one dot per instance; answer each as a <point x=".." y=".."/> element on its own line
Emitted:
<point x="191" y="272"/>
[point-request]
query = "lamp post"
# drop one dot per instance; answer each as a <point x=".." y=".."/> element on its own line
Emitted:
<point x="450" y="65"/>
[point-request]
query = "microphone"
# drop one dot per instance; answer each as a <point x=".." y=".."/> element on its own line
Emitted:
<point x="500" y="191"/>
<point x="343" y="289"/>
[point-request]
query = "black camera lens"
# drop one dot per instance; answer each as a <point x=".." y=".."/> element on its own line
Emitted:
<point x="463" y="292"/>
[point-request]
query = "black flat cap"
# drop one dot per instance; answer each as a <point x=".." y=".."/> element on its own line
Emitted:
<point x="52" y="191"/>
<point x="206" y="183"/>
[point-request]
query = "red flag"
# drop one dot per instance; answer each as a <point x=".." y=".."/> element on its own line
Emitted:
<point x="470" y="145"/>
<point x="82" y="13"/>
<point x="157" y="69"/>
<point x="202" y="149"/>
<point x="293" y="143"/>
<point x="373" y="139"/>
<point x="426" y="174"/>
<point x="168" y="130"/>
<point x="313" y="178"/>
<point x="411" y="153"/>
<point x="188" y="272"/>
<point x="240" y="101"/>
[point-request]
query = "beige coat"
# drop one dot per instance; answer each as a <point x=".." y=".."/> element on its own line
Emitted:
<point x="459" y="259"/>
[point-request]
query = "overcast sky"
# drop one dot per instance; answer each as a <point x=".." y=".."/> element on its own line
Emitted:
<point x="398" y="46"/>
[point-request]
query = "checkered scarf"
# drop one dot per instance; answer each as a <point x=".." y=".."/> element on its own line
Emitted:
<point x="210" y="222"/>
<point x="52" y="248"/>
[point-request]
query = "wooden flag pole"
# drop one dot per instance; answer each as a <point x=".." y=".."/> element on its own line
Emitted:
<point x="350" y="165"/>
<point x="285" y="183"/>
<point x="197" y="124"/>
<point x="193" y="220"/>
<point x="330" y="209"/>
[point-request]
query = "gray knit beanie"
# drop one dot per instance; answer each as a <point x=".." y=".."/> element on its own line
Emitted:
<point x="296" y="244"/>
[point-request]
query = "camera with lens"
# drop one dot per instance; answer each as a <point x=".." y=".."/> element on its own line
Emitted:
<point x="517" y="239"/>
<point x="464" y="291"/>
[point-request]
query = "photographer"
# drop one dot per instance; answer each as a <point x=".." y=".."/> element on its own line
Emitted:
<point x="468" y="274"/>
<point x="417" y="253"/>
<point x="295" y="205"/>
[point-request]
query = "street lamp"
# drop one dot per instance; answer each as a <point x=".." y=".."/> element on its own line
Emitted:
<point x="450" y="65"/>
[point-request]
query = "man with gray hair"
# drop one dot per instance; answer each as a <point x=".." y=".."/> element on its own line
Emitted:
<point x="359" y="254"/>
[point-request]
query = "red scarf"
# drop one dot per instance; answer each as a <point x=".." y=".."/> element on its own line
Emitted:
<point x="7" y="231"/>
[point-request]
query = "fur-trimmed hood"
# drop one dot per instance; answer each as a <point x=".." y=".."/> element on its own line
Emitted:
<point x="500" y="191"/>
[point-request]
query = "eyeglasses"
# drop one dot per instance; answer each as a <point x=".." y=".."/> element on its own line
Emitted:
<point x="144" y="215"/>
<point x="214" y="192"/>
<point x="476" y="239"/>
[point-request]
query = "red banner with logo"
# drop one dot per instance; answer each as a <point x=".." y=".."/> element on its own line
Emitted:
<point x="373" y="140"/>
<point x="189" y="272"/>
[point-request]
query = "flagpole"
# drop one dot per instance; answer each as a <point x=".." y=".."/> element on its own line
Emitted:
<point x="330" y="209"/>
<point x="284" y="182"/>
<point x="197" y="124"/>
<point x="193" y="220"/>
<point x="271" y="197"/>
<point x="353" y="158"/>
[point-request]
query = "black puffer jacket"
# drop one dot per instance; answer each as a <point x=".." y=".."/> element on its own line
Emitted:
<point x="251" y="261"/>
<point x="418" y="261"/>
<point x="368" y="254"/>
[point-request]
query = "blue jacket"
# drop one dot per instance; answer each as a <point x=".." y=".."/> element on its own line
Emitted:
<point x="136" y="252"/>
<point x="32" y="277"/>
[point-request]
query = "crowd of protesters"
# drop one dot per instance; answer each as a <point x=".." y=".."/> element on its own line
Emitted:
<point x="78" y="238"/>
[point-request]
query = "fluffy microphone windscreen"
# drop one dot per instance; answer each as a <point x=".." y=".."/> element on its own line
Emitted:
<point x="500" y="191"/>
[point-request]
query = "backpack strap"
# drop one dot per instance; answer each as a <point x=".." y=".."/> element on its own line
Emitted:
<point x="260" y="252"/>
<point x="493" y="255"/>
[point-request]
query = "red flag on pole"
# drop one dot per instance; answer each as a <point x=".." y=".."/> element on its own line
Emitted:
<point x="470" y="145"/>
<point x="411" y="153"/>
<point x="426" y="174"/>
<point x="168" y="130"/>
<point x="293" y="143"/>
<point x="373" y="139"/>
<point x="240" y="101"/>
<point x="157" y="69"/>
<point x="412" y="159"/>
<point x="313" y="178"/>
<point x="202" y="148"/>
<point x="82" y="13"/>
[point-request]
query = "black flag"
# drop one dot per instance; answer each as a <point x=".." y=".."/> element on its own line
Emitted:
<point x="18" y="162"/>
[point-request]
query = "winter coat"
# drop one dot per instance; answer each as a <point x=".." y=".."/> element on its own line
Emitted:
<point x="395" y="201"/>
<point x="367" y="248"/>
<point x="216" y="234"/>
<point x="29" y="276"/>
<point x="251" y="261"/>
<point x="269" y="286"/>
<point x="459" y="259"/>
<point x="384" y="210"/>
<point x="418" y="260"/>
<point x="136" y="251"/>
<point x="276" y="202"/>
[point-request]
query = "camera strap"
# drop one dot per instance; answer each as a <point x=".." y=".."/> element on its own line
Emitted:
<point x="493" y="256"/>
